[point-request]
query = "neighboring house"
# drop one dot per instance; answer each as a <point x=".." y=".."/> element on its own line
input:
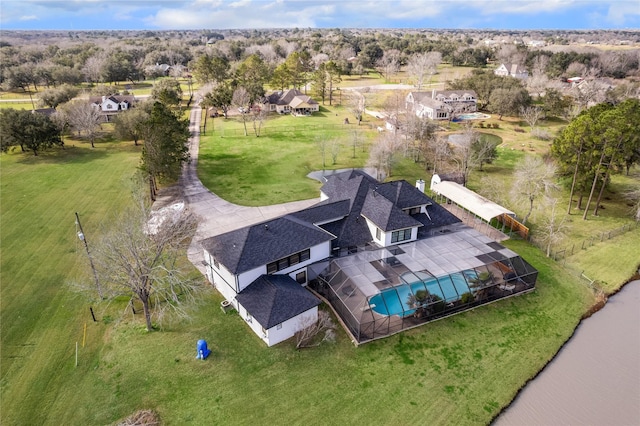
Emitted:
<point x="262" y="269"/>
<point x="513" y="70"/>
<point x="441" y="104"/>
<point x="291" y="101"/>
<point x="157" y="70"/>
<point x="112" y="105"/>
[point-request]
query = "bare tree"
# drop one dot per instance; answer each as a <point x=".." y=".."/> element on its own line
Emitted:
<point x="531" y="114"/>
<point x="310" y="329"/>
<point x="335" y="150"/>
<point x="552" y="229"/>
<point x="323" y="143"/>
<point x="389" y="64"/>
<point x="83" y="118"/>
<point x="463" y="151"/>
<point x="493" y="188"/>
<point x="533" y="179"/>
<point x="383" y="154"/>
<point x="357" y="104"/>
<point x="538" y="80"/>
<point x="258" y="115"/>
<point x="241" y="99"/>
<point x="141" y="255"/>
<point x="421" y="65"/>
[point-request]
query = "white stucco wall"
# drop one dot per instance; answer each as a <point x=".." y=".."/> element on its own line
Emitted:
<point x="287" y="329"/>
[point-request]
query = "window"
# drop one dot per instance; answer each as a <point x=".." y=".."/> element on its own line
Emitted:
<point x="402" y="235"/>
<point x="378" y="234"/>
<point x="412" y="211"/>
<point x="301" y="277"/>
<point x="285" y="262"/>
<point x="279" y="326"/>
<point x="248" y="317"/>
<point x="216" y="264"/>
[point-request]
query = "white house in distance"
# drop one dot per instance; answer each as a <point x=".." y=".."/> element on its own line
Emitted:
<point x="291" y="101"/>
<point x="363" y="240"/>
<point x="111" y="105"/>
<point x="513" y="70"/>
<point x="441" y="104"/>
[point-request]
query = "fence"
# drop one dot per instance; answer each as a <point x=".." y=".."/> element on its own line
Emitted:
<point x="562" y="254"/>
<point x="275" y="130"/>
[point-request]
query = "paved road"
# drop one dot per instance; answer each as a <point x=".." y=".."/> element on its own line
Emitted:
<point x="217" y="216"/>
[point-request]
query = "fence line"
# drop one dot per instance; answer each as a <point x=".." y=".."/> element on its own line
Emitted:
<point x="563" y="253"/>
<point x="272" y="130"/>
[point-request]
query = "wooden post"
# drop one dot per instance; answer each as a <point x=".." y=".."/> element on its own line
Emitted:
<point x="83" y="238"/>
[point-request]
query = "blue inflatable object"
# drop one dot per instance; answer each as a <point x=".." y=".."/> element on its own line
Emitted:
<point x="202" y="350"/>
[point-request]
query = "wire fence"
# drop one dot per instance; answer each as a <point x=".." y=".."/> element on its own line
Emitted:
<point x="279" y="130"/>
<point x="561" y="254"/>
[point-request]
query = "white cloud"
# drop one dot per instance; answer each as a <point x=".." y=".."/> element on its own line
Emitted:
<point x="622" y="12"/>
<point x="28" y="18"/>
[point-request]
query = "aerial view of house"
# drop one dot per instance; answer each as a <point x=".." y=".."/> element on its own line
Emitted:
<point x="384" y="255"/>
<point x="513" y="70"/>
<point x="291" y="101"/>
<point x="112" y="105"/>
<point x="441" y="104"/>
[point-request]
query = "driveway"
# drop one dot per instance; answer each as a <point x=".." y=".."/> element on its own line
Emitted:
<point x="216" y="215"/>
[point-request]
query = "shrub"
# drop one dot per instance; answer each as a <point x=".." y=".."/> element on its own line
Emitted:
<point x="542" y="134"/>
<point x="467" y="298"/>
<point x="518" y="129"/>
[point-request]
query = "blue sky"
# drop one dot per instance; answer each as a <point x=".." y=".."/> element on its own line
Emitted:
<point x="224" y="14"/>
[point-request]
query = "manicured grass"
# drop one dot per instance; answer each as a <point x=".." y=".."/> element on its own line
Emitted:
<point x="460" y="370"/>
<point x="41" y="317"/>
<point x="272" y="168"/>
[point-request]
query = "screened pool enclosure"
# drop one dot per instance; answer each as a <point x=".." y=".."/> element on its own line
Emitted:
<point x="379" y="292"/>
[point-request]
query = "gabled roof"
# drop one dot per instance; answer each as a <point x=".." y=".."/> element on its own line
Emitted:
<point x="403" y="194"/>
<point x="253" y="246"/>
<point x="384" y="214"/>
<point x="114" y="98"/>
<point x="291" y="97"/>
<point x="274" y="299"/>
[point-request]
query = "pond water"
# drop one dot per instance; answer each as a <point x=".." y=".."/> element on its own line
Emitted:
<point x="595" y="379"/>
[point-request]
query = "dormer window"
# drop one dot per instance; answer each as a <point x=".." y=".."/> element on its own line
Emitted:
<point x="402" y="235"/>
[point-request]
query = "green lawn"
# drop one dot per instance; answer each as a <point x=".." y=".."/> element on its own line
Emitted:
<point x="272" y="168"/>
<point x="460" y="370"/>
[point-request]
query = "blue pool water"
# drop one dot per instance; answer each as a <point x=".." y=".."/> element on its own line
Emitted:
<point x="393" y="301"/>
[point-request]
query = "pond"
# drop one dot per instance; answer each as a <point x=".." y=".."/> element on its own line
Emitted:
<point x="458" y="138"/>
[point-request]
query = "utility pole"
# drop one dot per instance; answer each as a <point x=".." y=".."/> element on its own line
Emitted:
<point x="83" y="238"/>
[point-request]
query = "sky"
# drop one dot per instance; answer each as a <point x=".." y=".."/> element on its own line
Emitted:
<point x="75" y="15"/>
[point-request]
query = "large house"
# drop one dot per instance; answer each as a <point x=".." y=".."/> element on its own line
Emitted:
<point x="112" y="105"/>
<point x="441" y="104"/>
<point x="366" y="247"/>
<point x="291" y="101"/>
<point x="513" y="70"/>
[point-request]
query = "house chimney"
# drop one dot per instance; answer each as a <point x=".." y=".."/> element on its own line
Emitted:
<point x="104" y="98"/>
<point x="420" y="185"/>
<point x="433" y="93"/>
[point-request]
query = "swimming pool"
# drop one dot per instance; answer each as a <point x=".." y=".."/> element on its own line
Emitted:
<point x="472" y="116"/>
<point x="393" y="301"/>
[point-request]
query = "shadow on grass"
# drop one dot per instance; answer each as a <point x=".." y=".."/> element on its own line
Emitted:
<point x="75" y="154"/>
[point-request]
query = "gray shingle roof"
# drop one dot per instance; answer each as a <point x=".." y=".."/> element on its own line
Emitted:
<point x="382" y="211"/>
<point x="253" y="246"/>
<point x="274" y="299"/>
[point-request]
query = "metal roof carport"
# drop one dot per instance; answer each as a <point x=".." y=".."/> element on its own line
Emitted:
<point x="469" y="200"/>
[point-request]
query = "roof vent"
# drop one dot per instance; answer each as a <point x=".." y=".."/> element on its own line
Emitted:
<point x="266" y="227"/>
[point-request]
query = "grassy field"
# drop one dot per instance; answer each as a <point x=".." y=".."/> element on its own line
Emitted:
<point x="460" y="370"/>
<point x="466" y="367"/>
<point x="272" y="168"/>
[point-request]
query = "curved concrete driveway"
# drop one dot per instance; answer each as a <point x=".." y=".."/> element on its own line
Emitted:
<point x="218" y="216"/>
